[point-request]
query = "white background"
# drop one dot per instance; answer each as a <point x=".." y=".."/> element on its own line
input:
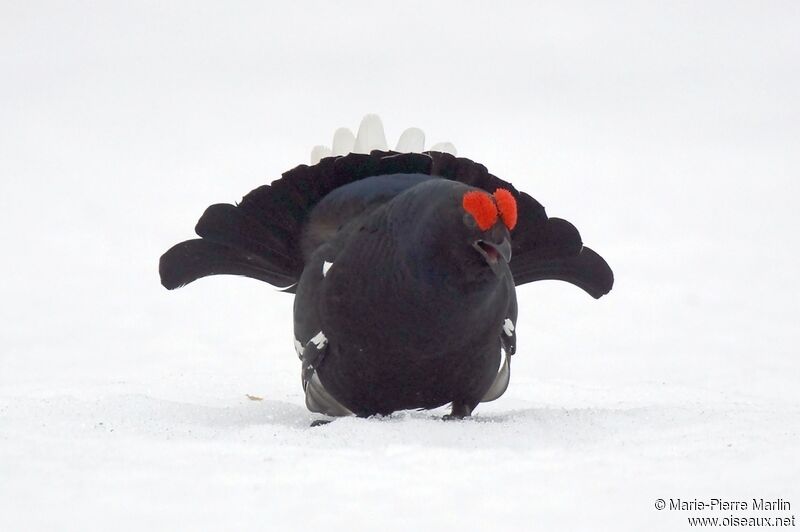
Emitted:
<point x="668" y="134"/>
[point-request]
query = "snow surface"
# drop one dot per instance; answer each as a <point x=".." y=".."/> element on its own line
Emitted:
<point x="669" y="135"/>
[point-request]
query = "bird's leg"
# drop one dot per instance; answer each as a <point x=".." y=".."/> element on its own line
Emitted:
<point x="460" y="410"/>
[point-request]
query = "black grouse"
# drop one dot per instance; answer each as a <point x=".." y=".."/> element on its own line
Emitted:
<point x="403" y="266"/>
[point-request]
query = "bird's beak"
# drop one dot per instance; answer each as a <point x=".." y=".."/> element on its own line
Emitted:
<point x="497" y="255"/>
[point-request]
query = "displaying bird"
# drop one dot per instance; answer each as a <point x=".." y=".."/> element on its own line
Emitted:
<point x="403" y="266"/>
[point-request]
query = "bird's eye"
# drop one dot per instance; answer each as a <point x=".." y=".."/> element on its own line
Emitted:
<point x="469" y="221"/>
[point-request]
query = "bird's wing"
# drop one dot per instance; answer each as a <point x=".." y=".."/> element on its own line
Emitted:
<point x="508" y="342"/>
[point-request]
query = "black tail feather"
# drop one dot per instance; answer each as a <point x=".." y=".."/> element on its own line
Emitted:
<point x="230" y="226"/>
<point x="586" y="270"/>
<point x="193" y="259"/>
<point x="555" y="238"/>
<point x="556" y="252"/>
<point x="262" y="236"/>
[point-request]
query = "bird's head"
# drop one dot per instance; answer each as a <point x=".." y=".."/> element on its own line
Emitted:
<point x="461" y="234"/>
<point x="488" y="219"/>
<point x="454" y="232"/>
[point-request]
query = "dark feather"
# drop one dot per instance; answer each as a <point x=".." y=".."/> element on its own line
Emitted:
<point x="193" y="259"/>
<point x="586" y="270"/>
<point x="271" y="224"/>
<point x="227" y="225"/>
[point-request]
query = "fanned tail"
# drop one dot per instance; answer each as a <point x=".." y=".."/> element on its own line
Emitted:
<point x="262" y="237"/>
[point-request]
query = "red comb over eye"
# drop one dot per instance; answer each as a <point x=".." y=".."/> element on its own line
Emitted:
<point x="482" y="208"/>
<point x="508" y="207"/>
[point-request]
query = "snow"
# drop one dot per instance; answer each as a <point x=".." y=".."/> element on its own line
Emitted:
<point x="668" y="135"/>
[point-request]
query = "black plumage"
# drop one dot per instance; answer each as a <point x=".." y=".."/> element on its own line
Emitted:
<point x="404" y="299"/>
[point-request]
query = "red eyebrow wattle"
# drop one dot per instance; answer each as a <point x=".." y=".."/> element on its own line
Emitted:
<point x="507" y="206"/>
<point x="481" y="207"/>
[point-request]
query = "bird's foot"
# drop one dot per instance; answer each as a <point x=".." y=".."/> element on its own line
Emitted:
<point x="320" y="422"/>
<point x="460" y="410"/>
<point x="451" y="417"/>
